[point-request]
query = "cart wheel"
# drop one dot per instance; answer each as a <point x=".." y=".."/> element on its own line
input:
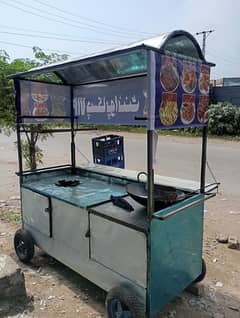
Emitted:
<point x="203" y="274"/>
<point x="24" y="245"/>
<point x="122" y="303"/>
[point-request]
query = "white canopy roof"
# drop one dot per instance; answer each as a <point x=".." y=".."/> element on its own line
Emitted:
<point x="130" y="60"/>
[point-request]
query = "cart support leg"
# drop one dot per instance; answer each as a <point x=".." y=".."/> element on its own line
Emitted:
<point x="204" y="158"/>
<point x="73" y="152"/>
<point x="150" y="181"/>
<point x="18" y="121"/>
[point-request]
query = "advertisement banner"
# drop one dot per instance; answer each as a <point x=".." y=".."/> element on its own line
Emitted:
<point x="114" y="102"/>
<point x="46" y="100"/>
<point x="182" y="93"/>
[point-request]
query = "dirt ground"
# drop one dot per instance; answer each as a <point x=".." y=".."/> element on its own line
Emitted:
<point x="56" y="291"/>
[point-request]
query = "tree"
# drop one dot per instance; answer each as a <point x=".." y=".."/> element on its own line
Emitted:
<point x="31" y="152"/>
<point x="7" y="108"/>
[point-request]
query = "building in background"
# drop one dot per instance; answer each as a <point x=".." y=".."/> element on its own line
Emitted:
<point x="226" y="89"/>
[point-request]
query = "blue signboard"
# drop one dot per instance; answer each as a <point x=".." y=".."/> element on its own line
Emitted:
<point x="181" y="98"/>
<point x="181" y="92"/>
<point x="44" y="102"/>
<point x="114" y="102"/>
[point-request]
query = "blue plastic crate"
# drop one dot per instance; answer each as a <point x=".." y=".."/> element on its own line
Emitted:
<point x="108" y="150"/>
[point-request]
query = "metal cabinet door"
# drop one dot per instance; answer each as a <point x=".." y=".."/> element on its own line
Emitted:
<point x="119" y="248"/>
<point x="36" y="211"/>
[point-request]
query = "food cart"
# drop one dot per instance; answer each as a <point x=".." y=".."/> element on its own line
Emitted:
<point x="136" y="235"/>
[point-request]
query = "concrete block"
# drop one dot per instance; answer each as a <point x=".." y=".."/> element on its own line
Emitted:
<point x="222" y="238"/>
<point x="233" y="243"/>
<point x="12" y="282"/>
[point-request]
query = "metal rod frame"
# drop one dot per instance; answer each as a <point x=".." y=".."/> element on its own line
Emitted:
<point x="73" y="151"/>
<point x="150" y="132"/>
<point x="150" y="170"/>
<point x="44" y="131"/>
<point x="43" y="82"/>
<point x="185" y="207"/>
<point x="60" y="117"/>
<point x="25" y="172"/>
<point x="204" y="158"/>
<point x="18" y="120"/>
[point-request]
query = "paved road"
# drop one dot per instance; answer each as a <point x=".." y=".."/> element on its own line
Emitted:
<point x="176" y="156"/>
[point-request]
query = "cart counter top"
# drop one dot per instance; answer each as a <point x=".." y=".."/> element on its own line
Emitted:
<point x="90" y="190"/>
<point x="136" y="219"/>
<point x="96" y="186"/>
<point x="93" y="192"/>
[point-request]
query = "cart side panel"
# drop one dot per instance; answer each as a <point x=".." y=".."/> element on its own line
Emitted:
<point x="175" y="253"/>
<point x="35" y="209"/>
<point x="119" y="248"/>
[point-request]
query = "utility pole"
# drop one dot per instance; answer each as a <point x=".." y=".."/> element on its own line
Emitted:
<point x="205" y="129"/>
<point x="204" y="34"/>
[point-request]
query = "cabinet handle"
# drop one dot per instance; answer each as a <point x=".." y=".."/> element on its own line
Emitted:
<point x="87" y="233"/>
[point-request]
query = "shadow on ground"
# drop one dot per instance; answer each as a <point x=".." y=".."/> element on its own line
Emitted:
<point x="213" y="303"/>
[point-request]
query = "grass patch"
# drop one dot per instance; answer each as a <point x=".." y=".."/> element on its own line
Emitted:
<point x="194" y="132"/>
<point x="11" y="216"/>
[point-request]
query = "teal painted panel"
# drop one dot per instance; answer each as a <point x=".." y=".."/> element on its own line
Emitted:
<point x="175" y="253"/>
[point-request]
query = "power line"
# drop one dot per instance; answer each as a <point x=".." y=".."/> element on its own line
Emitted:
<point x="223" y="58"/>
<point x="62" y="21"/>
<point x="56" y="38"/>
<point x="205" y="35"/>
<point x="31" y="47"/>
<point x="228" y="59"/>
<point x="41" y="32"/>
<point x="92" y="20"/>
<point x="94" y="28"/>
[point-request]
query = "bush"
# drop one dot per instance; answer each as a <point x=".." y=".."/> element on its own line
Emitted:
<point x="224" y="119"/>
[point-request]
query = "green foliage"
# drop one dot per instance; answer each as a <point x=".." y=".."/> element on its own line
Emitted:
<point x="7" y="67"/>
<point x="28" y="155"/>
<point x="224" y="119"/>
<point x="31" y="152"/>
<point x="44" y="58"/>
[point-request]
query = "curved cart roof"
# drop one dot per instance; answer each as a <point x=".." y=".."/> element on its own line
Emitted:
<point x="127" y="61"/>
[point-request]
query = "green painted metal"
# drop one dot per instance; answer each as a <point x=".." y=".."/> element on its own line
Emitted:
<point x="175" y="253"/>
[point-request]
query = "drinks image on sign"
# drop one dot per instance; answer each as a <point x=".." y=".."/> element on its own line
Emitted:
<point x="39" y="92"/>
<point x="40" y="109"/>
<point x="187" y="109"/>
<point x="169" y="77"/>
<point x="168" y="109"/>
<point x="58" y="107"/>
<point x="189" y="78"/>
<point x="39" y="95"/>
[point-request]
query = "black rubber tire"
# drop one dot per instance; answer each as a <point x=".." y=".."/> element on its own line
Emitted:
<point x="126" y="295"/>
<point x="203" y="274"/>
<point x="24" y="245"/>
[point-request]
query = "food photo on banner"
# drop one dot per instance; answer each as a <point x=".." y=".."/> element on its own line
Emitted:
<point x="182" y="92"/>
<point x="44" y="100"/>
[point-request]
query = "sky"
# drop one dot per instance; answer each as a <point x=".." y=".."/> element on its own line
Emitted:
<point x="84" y="27"/>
